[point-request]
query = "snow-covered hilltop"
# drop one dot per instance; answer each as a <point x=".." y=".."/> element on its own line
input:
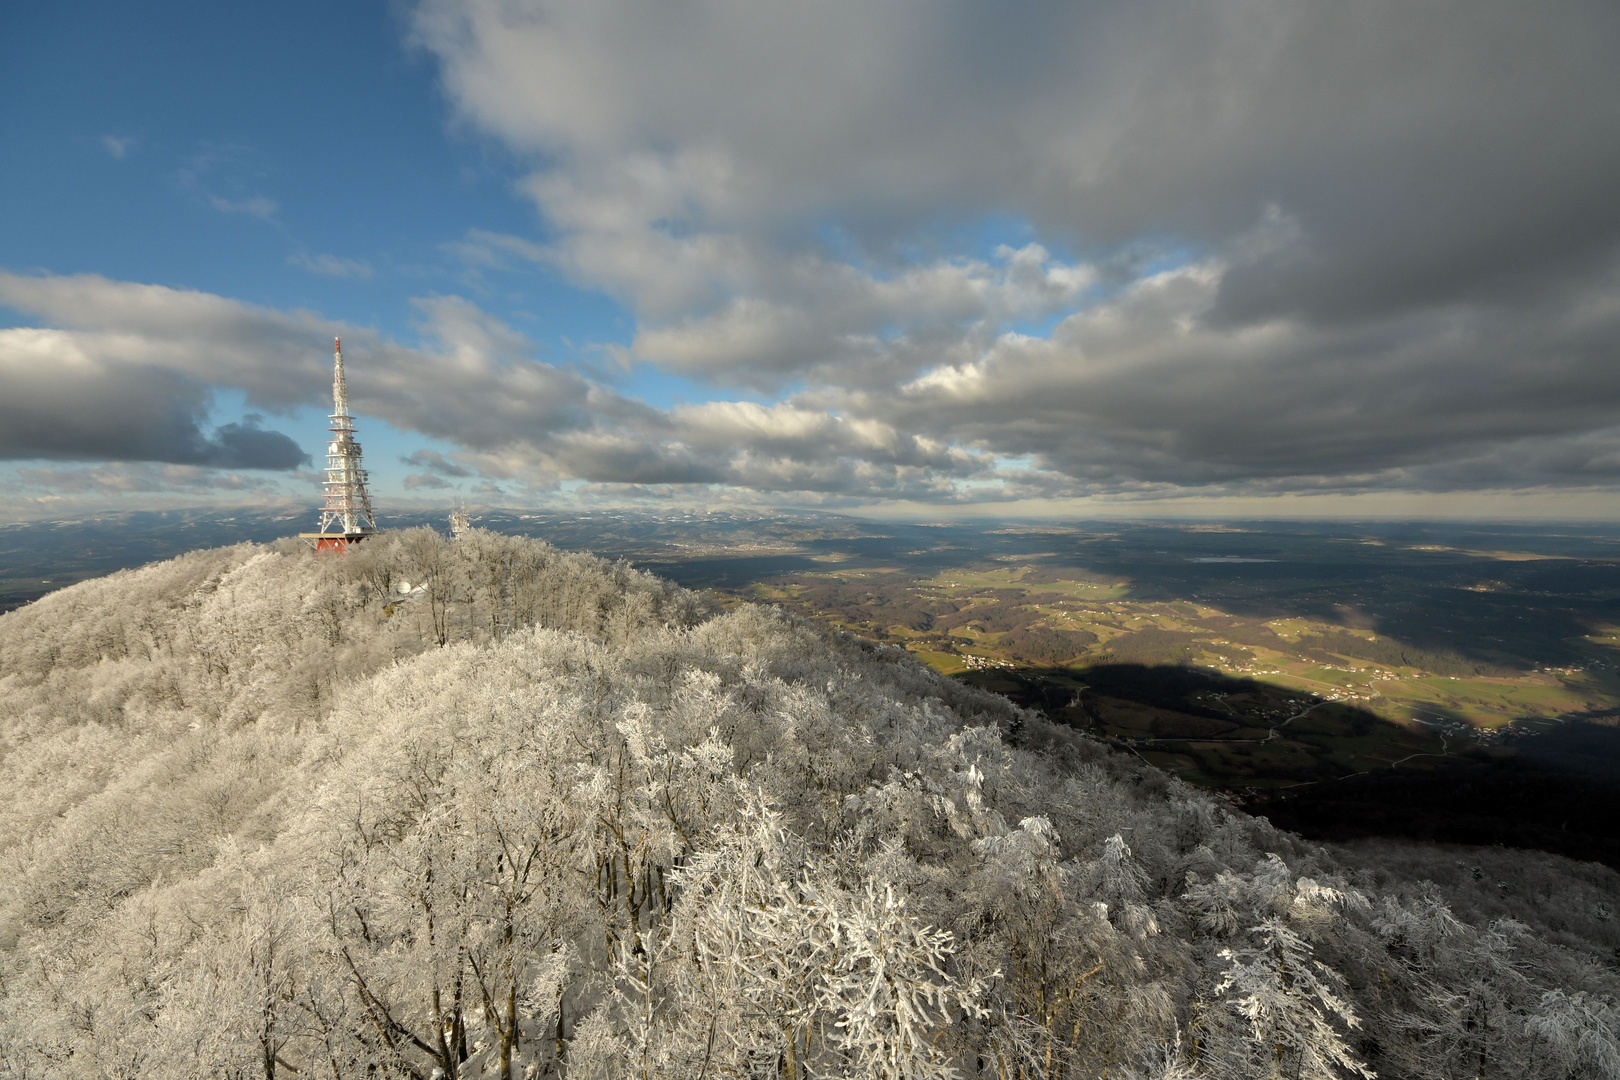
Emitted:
<point x="457" y="808"/>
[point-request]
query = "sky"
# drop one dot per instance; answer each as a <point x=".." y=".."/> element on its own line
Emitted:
<point x="924" y="259"/>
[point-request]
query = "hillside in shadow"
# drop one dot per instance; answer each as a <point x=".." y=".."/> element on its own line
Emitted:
<point x="1331" y="771"/>
<point x="1554" y="792"/>
<point x="1235" y="734"/>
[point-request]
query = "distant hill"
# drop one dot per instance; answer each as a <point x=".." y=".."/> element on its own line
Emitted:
<point x="488" y="808"/>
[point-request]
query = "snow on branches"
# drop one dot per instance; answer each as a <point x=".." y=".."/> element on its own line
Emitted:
<point x="542" y="815"/>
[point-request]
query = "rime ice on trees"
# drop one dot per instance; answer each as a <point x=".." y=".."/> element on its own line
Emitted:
<point x="256" y="821"/>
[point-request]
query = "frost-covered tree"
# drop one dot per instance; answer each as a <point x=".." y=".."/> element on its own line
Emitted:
<point x="492" y="809"/>
<point x="1581" y="1033"/>
<point x="1293" y="1006"/>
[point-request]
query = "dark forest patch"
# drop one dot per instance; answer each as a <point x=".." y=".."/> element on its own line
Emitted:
<point x="1473" y="799"/>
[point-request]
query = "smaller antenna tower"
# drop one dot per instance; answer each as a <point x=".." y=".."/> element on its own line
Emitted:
<point x="460" y="523"/>
<point x="346" y="518"/>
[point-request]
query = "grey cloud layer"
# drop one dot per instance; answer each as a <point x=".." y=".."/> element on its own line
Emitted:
<point x="68" y="397"/>
<point x="125" y="371"/>
<point x="1145" y="389"/>
<point x="1261" y="247"/>
<point x="1425" y="147"/>
<point x="1138" y="392"/>
<point x="127" y="359"/>
<point x="1397" y="221"/>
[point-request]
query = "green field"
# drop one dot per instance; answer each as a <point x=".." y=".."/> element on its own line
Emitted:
<point x="1278" y="700"/>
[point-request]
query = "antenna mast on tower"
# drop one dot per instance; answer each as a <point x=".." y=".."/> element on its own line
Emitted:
<point x="346" y="518"/>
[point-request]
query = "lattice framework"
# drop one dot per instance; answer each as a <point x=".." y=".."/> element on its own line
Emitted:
<point x="348" y="502"/>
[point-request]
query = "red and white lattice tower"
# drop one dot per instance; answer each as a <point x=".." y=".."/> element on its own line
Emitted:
<point x="346" y="518"/>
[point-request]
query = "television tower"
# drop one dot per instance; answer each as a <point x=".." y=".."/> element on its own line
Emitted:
<point x="346" y="518"/>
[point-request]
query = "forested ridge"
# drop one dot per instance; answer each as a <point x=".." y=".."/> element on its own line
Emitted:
<point x="486" y="808"/>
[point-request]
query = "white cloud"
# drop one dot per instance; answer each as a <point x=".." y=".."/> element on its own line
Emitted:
<point x="495" y="251"/>
<point x="118" y="145"/>
<point x="330" y="265"/>
<point x="258" y="206"/>
<point x="227" y="176"/>
<point x="436" y="464"/>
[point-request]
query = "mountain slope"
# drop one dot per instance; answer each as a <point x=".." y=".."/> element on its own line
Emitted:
<point x="457" y="808"/>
